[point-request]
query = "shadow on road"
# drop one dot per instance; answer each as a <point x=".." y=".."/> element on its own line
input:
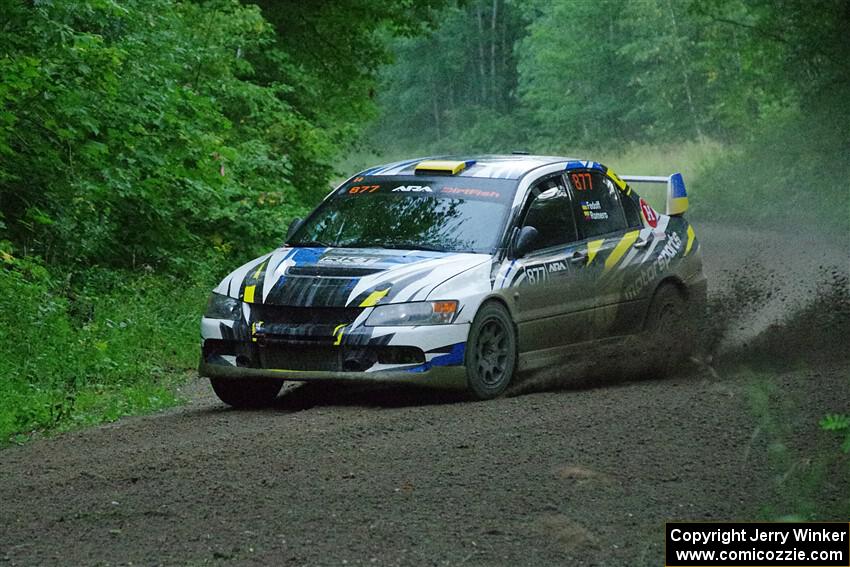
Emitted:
<point x="308" y="395"/>
<point x="579" y="376"/>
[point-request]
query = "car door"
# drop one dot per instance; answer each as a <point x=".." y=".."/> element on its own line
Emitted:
<point x="610" y="241"/>
<point x="544" y="287"/>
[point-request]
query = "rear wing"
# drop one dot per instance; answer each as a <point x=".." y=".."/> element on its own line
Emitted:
<point x="674" y="200"/>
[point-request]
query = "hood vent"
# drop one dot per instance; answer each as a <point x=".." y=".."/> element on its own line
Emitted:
<point x="332" y="271"/>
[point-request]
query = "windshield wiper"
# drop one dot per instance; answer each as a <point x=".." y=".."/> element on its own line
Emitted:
<point x="411" y="246"/>
<point x="311" y="243"/>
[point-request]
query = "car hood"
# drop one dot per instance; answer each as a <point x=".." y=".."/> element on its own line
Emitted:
<point x="344" y="277"/>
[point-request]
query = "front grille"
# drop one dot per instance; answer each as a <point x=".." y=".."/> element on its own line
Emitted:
<point x="280" y="355"/>
<point x="300" y="357"/>
<point x="304" y="315"/>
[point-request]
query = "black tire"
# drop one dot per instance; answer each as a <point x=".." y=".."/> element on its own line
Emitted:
<point x="491" y="353"/>
<point x="669" y="331"/>
<point x="246" y="393"/>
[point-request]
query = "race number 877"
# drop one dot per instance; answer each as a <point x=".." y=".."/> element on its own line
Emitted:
<point x="582" y="181"/>
<point x="364" y="189"/>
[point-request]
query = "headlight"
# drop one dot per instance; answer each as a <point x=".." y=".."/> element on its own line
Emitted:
<point x="223" y="307"/>
<point x="418" y="313"/>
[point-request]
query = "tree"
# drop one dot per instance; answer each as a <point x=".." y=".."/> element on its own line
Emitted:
<point x="161" y="131"/>
<point x="463" y="73"/>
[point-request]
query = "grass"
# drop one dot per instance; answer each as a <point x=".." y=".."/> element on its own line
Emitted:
<point x="688" y="158"/>
<point x="94" y="404"/>
<point x="80" y="353"/>
<point x="803" y="466"/>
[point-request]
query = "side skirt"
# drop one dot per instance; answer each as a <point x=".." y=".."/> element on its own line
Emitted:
<point x="552" y="357"/>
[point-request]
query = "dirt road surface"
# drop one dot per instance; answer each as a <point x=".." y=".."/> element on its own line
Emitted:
<point x="561" y="474"/>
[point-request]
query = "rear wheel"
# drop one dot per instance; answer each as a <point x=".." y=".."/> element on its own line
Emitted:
<point x="491" y="352"/>
<point x="669" y="331"/>
<point x="246" y="393"/>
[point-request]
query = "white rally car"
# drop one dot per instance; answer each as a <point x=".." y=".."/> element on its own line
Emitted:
<point x="457" y="271"/>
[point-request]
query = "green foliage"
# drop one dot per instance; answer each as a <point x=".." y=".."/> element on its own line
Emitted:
<point x="598" y="75"/>
<point x="840" y="424"/>
<point x="112" y="343"/>
<point x="802" y="471"/>
<point x="130" y="133"/>
<point x="454" y="90"/>
<point x="335" y="49"/>
<point x="797" y="173"/>
<point x="155" y="131"/>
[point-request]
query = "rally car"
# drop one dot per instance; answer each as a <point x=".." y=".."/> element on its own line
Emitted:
<point x="459" y="272"/>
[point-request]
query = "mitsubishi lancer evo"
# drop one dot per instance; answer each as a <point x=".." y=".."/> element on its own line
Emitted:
<point x="460" y="272"/>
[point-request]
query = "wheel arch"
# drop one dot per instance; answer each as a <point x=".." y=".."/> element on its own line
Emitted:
<point x="675" y="281"/>
<point x="672" y="281"/>
<point x="495" y="298"/>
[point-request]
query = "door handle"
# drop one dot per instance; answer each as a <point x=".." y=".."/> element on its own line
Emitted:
<point x="642" y="243"/>
<point x="578" y="257"/>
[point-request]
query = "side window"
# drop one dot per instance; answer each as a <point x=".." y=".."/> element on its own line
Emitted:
<point x="549" y="213"/>
<point x="632" y="210"/>
<point x="597" y="203"/>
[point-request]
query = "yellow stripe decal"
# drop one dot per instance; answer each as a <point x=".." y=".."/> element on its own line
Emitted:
<point x="592" y="248"/>
<point x="248" y="297"/>
<point x="259" y="269"/>
<point x="620" y="183"/>
<point x="678" y="206"/>
<point x="691" y="236"/>
<point x="339" y="328"/>
<point x="620" y="249"/>
<point x="374" y="297"/>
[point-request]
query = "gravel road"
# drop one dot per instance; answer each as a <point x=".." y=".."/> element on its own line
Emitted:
<point x="566" y="474"/>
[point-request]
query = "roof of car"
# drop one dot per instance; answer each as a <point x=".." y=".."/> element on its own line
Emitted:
<point x="511" y="166"/>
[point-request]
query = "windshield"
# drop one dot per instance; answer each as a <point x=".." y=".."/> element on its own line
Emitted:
<point x="453" y="214"/>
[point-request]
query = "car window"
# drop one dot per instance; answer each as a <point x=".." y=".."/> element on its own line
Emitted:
<point x="632" y="210"/>
<point x="549" y="213"/>
<point x="411" y="212"/>
<point x="597" y="205"/>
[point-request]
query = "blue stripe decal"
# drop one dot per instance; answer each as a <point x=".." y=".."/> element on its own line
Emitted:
<point x="678" y="184"/>
<point x="576" y="164"/>
<point x="453" y="358"/>
<point x="308" y="255"/>
<point x="505" y="278"/>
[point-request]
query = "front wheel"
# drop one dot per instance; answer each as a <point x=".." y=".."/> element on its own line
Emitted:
<point x="246" y="393"/>
<point x="491" y="352"/>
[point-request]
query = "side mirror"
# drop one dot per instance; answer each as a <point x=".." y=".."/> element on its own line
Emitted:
<point x="293" y="227"/>
<point x="525" y="239"/>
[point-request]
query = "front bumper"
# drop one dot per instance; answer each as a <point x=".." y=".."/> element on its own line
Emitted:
<point x="438" y="377"/>
<point x="307" y="351"/>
